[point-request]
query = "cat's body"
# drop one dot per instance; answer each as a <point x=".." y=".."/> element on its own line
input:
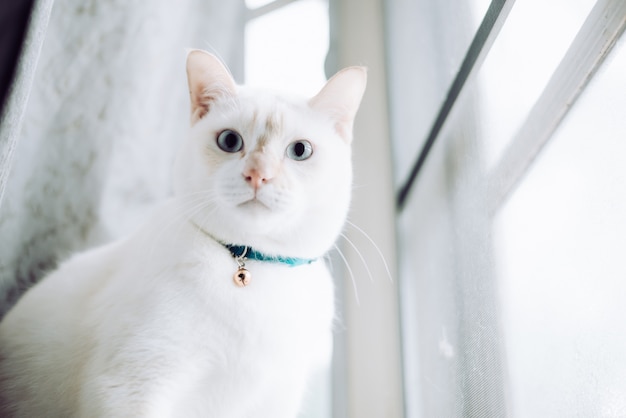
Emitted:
<point x="154" y="325"/>
<point x="162" y="338"/>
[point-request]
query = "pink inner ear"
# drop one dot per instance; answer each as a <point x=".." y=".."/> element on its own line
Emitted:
<point x="203" y="98"/>
<point x="208" y="79"/>
<point x="200" y="105"/>
<point x="341" y="97"/>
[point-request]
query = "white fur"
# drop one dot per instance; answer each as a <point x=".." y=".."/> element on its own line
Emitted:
<point x="153" y="325"/>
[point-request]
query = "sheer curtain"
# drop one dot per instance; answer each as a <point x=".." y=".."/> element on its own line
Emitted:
<point x="94" y="115"/>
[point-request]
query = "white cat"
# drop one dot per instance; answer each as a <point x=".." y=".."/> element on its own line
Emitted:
<point x="169" y="322"/>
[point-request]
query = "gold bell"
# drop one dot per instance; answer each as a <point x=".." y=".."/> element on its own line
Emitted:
<point x="242" y="277"/>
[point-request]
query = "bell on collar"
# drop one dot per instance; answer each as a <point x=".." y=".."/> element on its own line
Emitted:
<point x="242" y="277"/>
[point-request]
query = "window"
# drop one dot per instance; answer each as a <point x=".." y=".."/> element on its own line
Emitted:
<point x="286" y="44"/>
<point x="508" y="131"/>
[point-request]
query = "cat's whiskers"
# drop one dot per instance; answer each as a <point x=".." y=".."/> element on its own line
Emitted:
<point x="192" y="203"/>
<point x="380" y="253"/>
<point x="202" y="221"/>
<point x="356" y="292"/>
<point x="190" y="214"/>
<point x="369" y="273"/>
<point x="196" y="203"/>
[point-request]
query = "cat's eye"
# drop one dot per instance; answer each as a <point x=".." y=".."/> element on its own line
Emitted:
<point x="230" y="141"/>
<point x="300" y="150"/>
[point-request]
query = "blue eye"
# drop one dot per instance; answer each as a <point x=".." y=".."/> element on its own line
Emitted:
<point x="230" y="141"/>
<point x="300" y="150"/>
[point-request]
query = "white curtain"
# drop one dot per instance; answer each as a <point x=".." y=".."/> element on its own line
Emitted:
<point x="93" y="120"/>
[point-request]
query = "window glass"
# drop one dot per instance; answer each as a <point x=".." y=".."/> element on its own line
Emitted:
<point x="428" y="288"/>
<point x="521" y="61"/>
<point x="561" y="266"/>
<point x="451" y="327"/>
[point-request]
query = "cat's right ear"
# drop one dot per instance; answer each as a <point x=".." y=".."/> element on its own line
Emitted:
<point x="208" y="80"/>
<point x="341" y="97"/>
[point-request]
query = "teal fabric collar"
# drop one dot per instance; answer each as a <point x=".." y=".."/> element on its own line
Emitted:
<point x="242" y="251"/>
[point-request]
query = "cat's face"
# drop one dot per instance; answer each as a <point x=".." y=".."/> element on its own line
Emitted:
<point x="266" y="171"/>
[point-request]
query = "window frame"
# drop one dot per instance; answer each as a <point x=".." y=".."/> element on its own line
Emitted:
<point x="585" y="55"/>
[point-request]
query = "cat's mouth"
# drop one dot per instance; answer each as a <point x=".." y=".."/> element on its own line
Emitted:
<point x="254" y="203"/>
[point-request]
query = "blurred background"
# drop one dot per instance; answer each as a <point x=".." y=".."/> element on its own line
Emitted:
<point x="489" y="195"/>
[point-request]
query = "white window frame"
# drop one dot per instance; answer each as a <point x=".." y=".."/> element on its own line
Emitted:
<point x="602" y="28"/>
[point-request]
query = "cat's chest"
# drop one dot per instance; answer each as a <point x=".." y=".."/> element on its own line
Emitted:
<point x="198" y="284"/>
<point x="183" y="288"/>
<point x="276" y="294"/>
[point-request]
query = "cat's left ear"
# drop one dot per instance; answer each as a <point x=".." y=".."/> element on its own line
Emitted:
<point x="208" y="80"/>
<point x="341" y="97"/>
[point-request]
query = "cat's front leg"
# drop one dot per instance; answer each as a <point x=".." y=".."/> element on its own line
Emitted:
<point x="107" y="397"/>
<point x="127" y="385"/>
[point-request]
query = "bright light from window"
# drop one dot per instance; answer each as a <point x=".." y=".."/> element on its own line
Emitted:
<point x="529" y="58"/>
<point x="253" y="4"/>
<point x="286" y="49"/>
<point x="560" y="250"/>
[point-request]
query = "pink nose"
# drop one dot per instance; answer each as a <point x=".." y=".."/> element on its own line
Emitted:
<point x="255" y="178"/>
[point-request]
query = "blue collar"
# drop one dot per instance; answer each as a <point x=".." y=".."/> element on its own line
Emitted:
<point x="242" y="251"/>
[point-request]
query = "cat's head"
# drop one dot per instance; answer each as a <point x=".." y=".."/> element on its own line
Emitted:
<point x="264" y="170"/>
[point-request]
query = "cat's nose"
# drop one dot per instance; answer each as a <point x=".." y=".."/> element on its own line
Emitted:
<point x="255" y="178"/>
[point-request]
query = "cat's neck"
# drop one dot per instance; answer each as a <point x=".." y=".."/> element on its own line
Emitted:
<point x="244" y="250"/>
